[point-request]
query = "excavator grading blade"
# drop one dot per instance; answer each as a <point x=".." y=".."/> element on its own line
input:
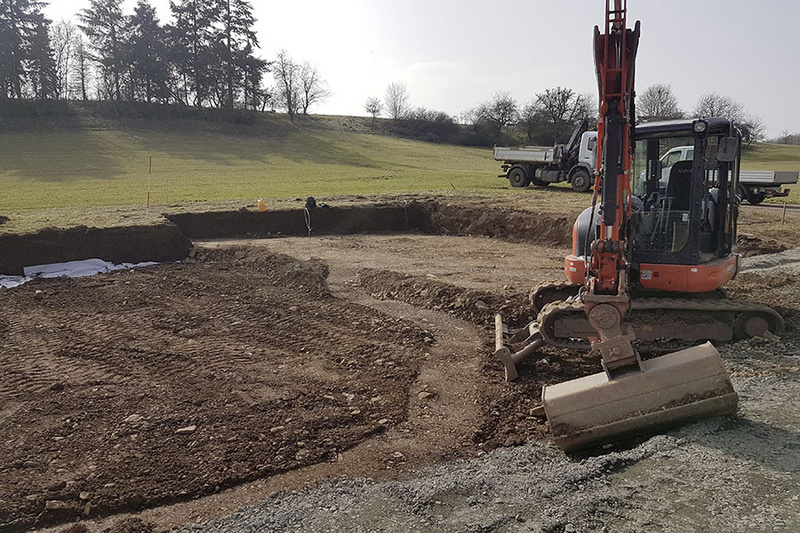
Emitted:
<point x="670" y="390"/>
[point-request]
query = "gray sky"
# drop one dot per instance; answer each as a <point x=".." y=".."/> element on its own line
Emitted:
<point x="454" y="54"/>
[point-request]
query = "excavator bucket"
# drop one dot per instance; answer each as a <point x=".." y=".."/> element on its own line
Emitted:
<point x="669" y="390"/>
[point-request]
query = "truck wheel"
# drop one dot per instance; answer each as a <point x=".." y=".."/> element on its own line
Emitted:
<point x="580" y="181"/>
<point x="755" y="198"/>
<point x="517" y="177"/>
<point x="752" y="197"/>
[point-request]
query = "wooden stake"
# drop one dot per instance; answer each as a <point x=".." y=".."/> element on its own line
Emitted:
<point x="783" y="220"/>
<point x="149" y="171"/>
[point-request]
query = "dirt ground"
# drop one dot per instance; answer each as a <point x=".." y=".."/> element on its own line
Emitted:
<point x="155" y="397"/>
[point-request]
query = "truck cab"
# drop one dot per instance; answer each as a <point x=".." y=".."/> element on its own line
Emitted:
<point x="679" y="153"/>
<point x="587" y="154"/>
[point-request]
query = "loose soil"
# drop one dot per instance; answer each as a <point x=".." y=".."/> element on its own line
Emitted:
<point x="263" y="365"/>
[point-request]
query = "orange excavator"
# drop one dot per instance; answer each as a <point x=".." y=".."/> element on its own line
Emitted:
<point x="646" y="271"/>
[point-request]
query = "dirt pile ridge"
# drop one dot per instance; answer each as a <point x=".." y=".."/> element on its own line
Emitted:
<point x="137" y="388"/>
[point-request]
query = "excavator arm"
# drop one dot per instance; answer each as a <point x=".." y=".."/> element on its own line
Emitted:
<point x="606" y="297"/>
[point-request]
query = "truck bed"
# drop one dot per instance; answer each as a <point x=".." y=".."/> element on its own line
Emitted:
<point x="524" y="154"/>
<point x="766" y="178"/>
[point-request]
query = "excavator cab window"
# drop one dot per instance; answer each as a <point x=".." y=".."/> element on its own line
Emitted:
<point x="674" y="202"/>
<point x="664" y="188"/>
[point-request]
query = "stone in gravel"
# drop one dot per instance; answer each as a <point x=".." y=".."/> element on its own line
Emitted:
<point x="54" y="505"/>
<point x="424" y="395"/>
<point x="133" y="419"/>
<point x="58" y="485"/>
<point x="276" y="429"/>
<point x="186" y="430"/>
<point x="84" y="495"/>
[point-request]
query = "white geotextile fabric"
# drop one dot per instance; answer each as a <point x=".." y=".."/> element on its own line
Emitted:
<point x="73" y="269"/>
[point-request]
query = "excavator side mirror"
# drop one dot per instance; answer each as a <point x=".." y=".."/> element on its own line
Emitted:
<point x="728" y="147"/>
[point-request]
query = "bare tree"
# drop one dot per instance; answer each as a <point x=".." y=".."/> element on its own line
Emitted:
<point x="718" y="105"/>
<point x="657" y="102"/>
<point x="397" y="100"/>
<point x="499" y="112"/>
<point x="286" y="73"/>
<point x="552" y="115"/>
<point x="62" y="37"/>
<point x="787" y="137"/>
<point x="80" y="83"/>
<point x="373" y="106"/>
<point x="312" y="87"/>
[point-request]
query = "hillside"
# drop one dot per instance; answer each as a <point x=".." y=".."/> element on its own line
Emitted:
<point x="63" y="157"/>
<point x="86" y="160"/>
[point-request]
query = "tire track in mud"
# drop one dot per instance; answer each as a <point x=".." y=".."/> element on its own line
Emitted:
<point x="443" y="409"/>
<point x="117" y="349"/>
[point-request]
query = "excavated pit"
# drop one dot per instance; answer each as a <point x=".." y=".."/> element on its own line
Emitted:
<point x="135" y="389"/>
<point x="170" y="239"/>
<point x="138" y="388"/>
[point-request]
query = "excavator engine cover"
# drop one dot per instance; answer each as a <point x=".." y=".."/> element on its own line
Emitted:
<point x="669" y="390"/>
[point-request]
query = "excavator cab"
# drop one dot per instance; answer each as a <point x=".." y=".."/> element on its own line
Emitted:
<point x="683" y="211"/>
<point x="684" y="214"/>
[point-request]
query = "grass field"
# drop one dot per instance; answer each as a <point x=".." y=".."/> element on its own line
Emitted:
<point x="110" y="167"/>
<point x="70" y="169"/>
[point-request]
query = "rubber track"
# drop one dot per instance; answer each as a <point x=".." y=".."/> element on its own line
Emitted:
<point x="548" y="286"/>
<point x="553" y="311"/>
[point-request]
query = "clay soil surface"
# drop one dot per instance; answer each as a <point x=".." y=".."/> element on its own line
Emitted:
<point x="146" y="399"/>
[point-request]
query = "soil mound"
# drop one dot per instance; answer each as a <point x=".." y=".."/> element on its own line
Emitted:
<point x="750" y="245"/>
<point x="136" y="388"/>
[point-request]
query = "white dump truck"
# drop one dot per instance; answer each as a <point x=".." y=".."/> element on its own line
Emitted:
<point x="754" y="185"/>
<point x="572" y="162"/>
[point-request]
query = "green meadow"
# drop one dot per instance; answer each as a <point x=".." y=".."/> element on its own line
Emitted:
<point x="86" y="168"/>
<point x="64" y="171"/>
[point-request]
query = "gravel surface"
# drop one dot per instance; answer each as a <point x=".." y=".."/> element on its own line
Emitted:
<point x="727" y="474"/>
<point x="715" y="475"/>
<point x="787" y="262"/>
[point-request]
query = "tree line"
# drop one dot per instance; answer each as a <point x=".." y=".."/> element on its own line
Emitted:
<point x="657" y="102"/>
<point x="207" y="57"/>
<point x="548" y="118"/>
<point x="551" y="116"/>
